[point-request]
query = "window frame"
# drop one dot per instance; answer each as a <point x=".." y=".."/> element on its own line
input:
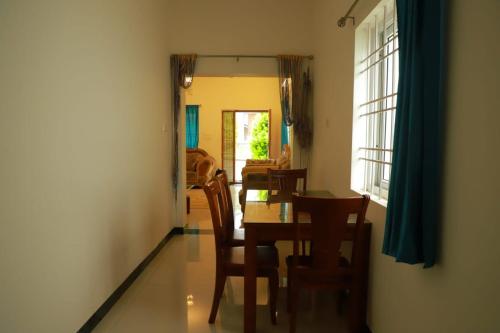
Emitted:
<point x="376" y="51"/>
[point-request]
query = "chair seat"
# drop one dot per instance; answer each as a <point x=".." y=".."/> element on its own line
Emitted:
<point x="239" y="239"/>
<point x="307" y="261"/>
<point x="267" y="258"/>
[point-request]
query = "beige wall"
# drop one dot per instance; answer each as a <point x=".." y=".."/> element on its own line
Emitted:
<point x="240" y="27"/>
<point x="461" y="293"/>
<point x="215" y="94"/>
<point x="84" y="96"/>
<point x="84" y="174"/>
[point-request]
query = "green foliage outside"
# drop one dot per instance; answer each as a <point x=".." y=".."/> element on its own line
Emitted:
<point x="260" y="137"/>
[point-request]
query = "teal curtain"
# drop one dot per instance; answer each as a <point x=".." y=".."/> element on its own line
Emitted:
<point x="284" y="134"/>
<point x="192" y="123"/>
<point x="413" y="216"/>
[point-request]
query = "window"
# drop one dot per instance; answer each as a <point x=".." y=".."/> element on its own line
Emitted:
<point x="375" y="94"/>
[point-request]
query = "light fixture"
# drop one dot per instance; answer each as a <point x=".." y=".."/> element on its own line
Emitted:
<point x="190" y="300"/>
<point x="188" y="80"/>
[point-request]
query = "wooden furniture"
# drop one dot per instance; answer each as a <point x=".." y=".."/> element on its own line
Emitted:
<point x="230" y="260"/>
<point x="229" y="233"/>
<point x="200" y="166"/>
<point x="232" y="236"/>
<point x="188" y="198"/>
<point x="324" y="268"/>
<point x="273" y="221"/>
<point x="287" y="181"/>
<point x="254" y="174"/>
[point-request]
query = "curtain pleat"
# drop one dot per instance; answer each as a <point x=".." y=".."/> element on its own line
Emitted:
<point x="295" y="106"/>
<point x="181" y="67"/>
<point x="413" y="211"/>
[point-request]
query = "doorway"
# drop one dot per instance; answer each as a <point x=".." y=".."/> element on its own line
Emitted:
<point x="245" y="135"/>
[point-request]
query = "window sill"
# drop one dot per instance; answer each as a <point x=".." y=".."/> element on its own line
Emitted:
<point x="373" y="197"/>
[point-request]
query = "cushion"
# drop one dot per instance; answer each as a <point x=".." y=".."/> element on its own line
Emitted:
<point x="260" y="162"/>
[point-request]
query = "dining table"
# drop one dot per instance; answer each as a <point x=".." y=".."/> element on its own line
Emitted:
<point x="263" y="221"/>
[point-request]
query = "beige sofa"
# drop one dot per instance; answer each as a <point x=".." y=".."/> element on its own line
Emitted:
<point x="200" y="167"/>
<point x="254" y="174"/>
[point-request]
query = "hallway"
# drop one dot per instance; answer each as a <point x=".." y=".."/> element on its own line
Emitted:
<point x="158" y="300"/>
<point x="174" y="293"/>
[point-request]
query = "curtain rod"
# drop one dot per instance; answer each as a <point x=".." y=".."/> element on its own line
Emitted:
<point x="237" y="56"/>
<point x="343" y="19"/>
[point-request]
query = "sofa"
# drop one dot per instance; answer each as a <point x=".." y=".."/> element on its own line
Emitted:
<point x="254" y="174"/>
<point x="200" y="167"/>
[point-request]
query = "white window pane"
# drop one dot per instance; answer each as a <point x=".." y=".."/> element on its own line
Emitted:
<point x="376" y="78"/>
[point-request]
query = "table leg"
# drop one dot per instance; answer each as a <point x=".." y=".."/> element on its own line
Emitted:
<point x="250" y="280"/>
<point x="359" y="294"/>
<point x="244" y="199"/>
<point x="188" y="204"/>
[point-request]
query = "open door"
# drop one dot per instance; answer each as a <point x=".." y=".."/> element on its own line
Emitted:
<point x="228" y="143"/>
<point x="245" y="135"/>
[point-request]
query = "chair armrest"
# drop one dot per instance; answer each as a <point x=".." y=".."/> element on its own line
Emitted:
<point x="205" y="169"/>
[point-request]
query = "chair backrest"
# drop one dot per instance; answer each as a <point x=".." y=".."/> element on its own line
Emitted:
<point x="329" y="218"/>
<point x="214" y="194"/>
<point x="227" y="206"/>
<point x="286" y="182"/>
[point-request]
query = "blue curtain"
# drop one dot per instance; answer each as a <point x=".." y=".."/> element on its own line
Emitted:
<point x="192" y="129"/>
<point x="284" y="134"/>
<point x="413" y="216"/>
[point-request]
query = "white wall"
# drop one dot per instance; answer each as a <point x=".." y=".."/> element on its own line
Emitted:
<point x="85" y="172"/>
<point x="84" y="92"/>
<point x="257" y="27"/>
<point x="461" y="293"/>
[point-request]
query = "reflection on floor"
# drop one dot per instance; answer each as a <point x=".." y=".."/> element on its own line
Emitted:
<point x="174" y="294"/>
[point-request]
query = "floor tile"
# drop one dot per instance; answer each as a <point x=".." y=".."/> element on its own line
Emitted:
<point x="174" y="294"/>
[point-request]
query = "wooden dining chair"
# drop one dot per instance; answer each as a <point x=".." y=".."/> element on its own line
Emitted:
<point x="232" y="236"/>
<point x="227" y="213"/>
<point x="286" y="181"/>
<point x="324" y="267"/>
<point x="230" y="260"/>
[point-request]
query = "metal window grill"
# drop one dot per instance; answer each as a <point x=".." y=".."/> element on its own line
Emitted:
<point x="377" y="72"/>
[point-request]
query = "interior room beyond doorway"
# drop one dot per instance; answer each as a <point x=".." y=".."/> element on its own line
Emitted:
<point x="253" y="96"/>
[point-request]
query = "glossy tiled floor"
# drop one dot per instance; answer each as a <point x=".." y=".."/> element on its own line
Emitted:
<point x="174" y="294"/>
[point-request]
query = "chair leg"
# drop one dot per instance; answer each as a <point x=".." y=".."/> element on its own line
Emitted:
<point x="341" y="299"/>
<point x="220" y="281"/>
<point x="273" y="295"/>
<point x="294" y="293"/>
<point x="288" y="290"/>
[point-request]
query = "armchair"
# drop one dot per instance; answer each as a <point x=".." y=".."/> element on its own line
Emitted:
<point x="254" y="174"/>
<point x="200" y="167"/>
<point x="261" y="166"/>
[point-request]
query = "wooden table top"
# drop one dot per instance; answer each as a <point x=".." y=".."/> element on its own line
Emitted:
<point x="261" y="195"/>
<point x="258" y="211"/>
